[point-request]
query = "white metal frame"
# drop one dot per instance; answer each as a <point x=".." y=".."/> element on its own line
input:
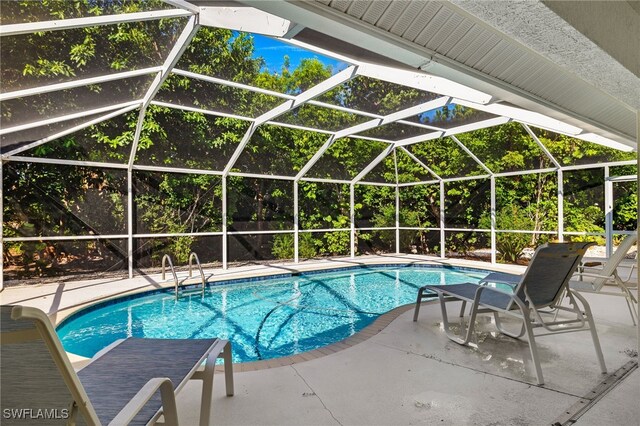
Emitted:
<point x="259" y="21"/>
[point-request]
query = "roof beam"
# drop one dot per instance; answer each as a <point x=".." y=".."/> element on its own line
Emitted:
<point x="246" y="19"/>
<point x="522" y="115"/>
<point x="77" y="83"/>
<point x="423" y="81"/>
<point x="182" y="4"/>
<point x="89" y="21"/>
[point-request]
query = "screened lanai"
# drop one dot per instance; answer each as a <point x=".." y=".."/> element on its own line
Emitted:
<point x="134" y="129"/>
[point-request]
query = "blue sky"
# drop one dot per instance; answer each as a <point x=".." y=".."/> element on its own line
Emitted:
<point x="273" y="52"/>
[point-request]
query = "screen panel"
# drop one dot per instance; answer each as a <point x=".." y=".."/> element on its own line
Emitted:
<point x="506" y="148"/>
<point x="49" y="260"/>
<point x="466" y="202"/>
<point x="55" y="200"/>
<point x="450" y="116"/>
<point x="15" y="12"/>
<point x="148" y="253"/>
<point x="176" y="202"/>
<point x="259" y="204"/>
<point x="446" y="158"/>
<point x="108" y="142"/>
<point x="320" y="118"/>
<point x="31" y="109"/>
<point x="256" y="60"/>
<point x="176" y="138"/>
<point x="375" y="206"/>
<point x="323" y="205"/>
<point x="194" y="93"/>
<point x="44" y="58"/>
<point x="420" y="242"/>
<point x="275" y="150"/>
<point x="420" y="206"/>
<point x="570" y="151"/>
<point x="346" y="158"/>
<point x="375" y="96"/>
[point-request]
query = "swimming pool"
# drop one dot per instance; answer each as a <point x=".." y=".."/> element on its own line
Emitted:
<point x="264" y="319"/>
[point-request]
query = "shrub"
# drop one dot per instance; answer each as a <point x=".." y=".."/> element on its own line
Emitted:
<point x="283" y="246"/>
<point x="510" y="245"/>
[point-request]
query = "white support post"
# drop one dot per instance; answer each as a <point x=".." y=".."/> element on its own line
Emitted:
<point x="130" y="221"/>
<point x="608" y="211"/>
<point x="560" y="206"/>
<point x="395" y="164"/>
<point x="493" y="220"/>
<point x="638" y="224"/>
<point x="181" y="44"/>
<point x="442" y="233"/>
<point x="352" y="217"/>
<point x="296" y="224"/>
<point x="2" y="225"/>
<point x="224" y="224"/>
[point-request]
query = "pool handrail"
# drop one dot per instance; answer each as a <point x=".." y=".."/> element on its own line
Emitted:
<point x="192" y="256"/>
<point x="167" y="258"/>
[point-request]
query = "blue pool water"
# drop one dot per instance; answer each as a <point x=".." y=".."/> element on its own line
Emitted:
<point x="264" y="319"/>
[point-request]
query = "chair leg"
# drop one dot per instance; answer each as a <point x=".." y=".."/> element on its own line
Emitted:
<point x="631" y="311"/>
<point x="445" y="323"/>
<point x="418" y="302"/>
<point x="207" y="390"/>
<point x="592" y="329"/>
<point x="228" y="369"/>
<point x="464" y="305"/>
<point x="533" y="348"/>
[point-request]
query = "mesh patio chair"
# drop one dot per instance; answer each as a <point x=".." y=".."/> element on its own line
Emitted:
<point x="591" y="279"/>
<point x="118" y="387"/>
<point x="541" y="287"/>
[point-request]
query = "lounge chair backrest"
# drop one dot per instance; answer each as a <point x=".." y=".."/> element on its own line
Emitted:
<point x="614" y="261"/>
<point x="36" y="372"/>
<point x="549" y="270"/>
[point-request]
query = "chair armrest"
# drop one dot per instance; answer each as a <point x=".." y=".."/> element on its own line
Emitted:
<point x="502" y="278"/>
<point x="126" y="415"/>
<point x="590" y="275"/>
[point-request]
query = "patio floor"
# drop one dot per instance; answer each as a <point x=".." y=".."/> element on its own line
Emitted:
<point x="408" y="373"/>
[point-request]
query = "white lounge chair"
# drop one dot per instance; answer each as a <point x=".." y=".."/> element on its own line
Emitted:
<point x="118" y="387"/>
<point x="591" y="280"/>
<point x="541" y="287"/>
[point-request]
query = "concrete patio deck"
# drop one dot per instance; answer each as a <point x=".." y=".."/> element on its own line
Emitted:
<point x="404" y="373"/>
